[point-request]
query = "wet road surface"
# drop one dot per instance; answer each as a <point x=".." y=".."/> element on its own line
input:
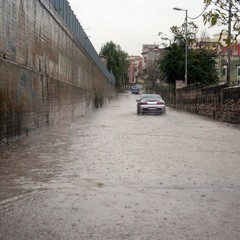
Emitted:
<point x="115" y="175"/>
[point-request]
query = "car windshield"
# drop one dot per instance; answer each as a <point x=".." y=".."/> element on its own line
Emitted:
<point x="151" y="96"/>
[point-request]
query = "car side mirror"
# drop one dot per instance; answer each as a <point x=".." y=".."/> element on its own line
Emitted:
<point x="137" y="100"/>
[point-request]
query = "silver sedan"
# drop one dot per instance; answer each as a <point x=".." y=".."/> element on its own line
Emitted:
<point x="151" y="104"/>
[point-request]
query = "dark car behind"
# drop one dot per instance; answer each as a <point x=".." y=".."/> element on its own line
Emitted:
<point x="135" y="89"/>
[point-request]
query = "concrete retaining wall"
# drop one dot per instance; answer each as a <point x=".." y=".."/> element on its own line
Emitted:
<point x="46" y="76"/>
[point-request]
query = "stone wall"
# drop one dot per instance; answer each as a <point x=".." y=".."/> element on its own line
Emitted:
<point x="219" y="102"/>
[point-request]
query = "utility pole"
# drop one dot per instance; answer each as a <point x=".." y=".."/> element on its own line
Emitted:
<point x="229" y="42"/>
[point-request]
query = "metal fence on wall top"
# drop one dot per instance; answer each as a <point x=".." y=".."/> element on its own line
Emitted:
<point x="64" y="10"/>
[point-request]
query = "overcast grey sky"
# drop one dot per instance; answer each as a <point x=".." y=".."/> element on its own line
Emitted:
<point x="131" y="23"/>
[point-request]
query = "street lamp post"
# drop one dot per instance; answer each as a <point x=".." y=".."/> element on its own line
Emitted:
<point x="186" y="43"/>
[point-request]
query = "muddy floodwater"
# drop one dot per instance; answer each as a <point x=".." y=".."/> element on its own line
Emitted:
<point x="115" y="175"/>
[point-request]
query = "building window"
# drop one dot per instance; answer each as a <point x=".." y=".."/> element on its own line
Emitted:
<point x="238" y="71"/>
<point x="224" y="72"/>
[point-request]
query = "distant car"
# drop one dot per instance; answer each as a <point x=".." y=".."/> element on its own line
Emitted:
<point x="135" y="89"/>
<point x="151" y="104"/>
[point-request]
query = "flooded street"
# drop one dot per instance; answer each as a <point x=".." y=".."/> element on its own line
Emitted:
<point x="116" y="175"/>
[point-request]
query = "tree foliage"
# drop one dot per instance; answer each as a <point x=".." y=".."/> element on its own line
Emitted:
<point x="202" y="66"/>
<point x="201" y="62"/>
<point x="172" y="63"/>
<point x="179" y="34"/>
<point x="117" y="62"/>
<point x="223" y="13"/>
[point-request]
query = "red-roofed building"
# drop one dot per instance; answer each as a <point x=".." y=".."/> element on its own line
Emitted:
<point x="135" y="68"/>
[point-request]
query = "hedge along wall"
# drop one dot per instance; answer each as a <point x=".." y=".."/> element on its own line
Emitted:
<point x="219" y="102"/>
<point x="45" y="75"/>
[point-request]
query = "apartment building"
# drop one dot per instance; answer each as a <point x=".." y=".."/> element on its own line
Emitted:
<point x="222" y="57"/>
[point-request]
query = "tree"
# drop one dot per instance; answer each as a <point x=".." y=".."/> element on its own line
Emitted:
<point x="179" y="34"/>
<point x="172" y="63"/>
<point x="117" y="62"/>
<point x="202" y="66"/>
<point x="201" y="62"/>
<point x="124" y="66"/>
<point x="224" y="13"/>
